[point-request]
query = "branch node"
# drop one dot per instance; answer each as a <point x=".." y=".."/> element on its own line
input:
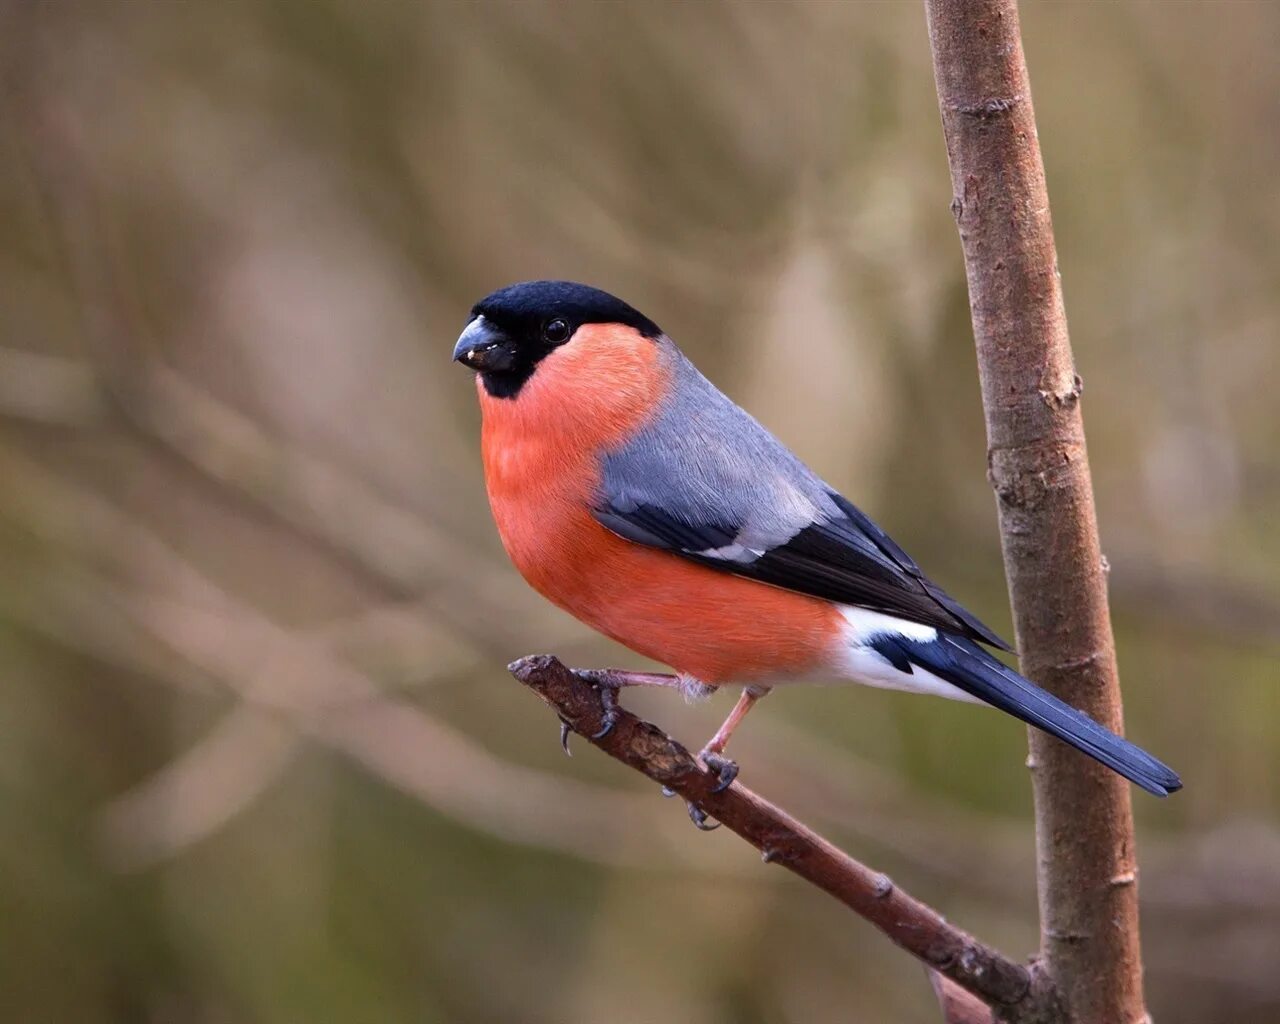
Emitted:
<point x="777" y="846"/>
<point x="942" y="960"/>
<point x="988" y="108"/>
<point x="1084" y="661"/>
<point x="1066" y="397"/>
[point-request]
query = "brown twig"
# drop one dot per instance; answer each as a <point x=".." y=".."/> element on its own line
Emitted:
<point x="1018" y="992"/>
<point x="1040" y="472"/>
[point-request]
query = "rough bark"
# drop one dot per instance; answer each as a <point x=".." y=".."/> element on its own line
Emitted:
<point x="1018" y="993"/>
<point x="1040" y="473"/>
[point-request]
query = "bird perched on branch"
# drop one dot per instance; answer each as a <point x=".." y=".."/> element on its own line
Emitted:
<point x="632" y="493"/>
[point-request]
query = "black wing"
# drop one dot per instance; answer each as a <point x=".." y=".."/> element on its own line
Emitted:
<point x="844" y="557"/>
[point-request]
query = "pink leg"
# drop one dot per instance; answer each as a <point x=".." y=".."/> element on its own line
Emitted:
<point x="745" y="703"/>
<point x="617" y="678"/>
<point x="713" y="753"/>
<point x="608" y="681"/>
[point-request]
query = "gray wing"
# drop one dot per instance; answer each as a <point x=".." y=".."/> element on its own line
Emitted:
<point x="708" y="483"/>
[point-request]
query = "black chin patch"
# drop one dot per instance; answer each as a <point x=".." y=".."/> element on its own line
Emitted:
<point x="507" y="385"/>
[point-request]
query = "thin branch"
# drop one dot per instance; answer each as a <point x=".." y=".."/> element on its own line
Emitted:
<point x="1018" y="992"/>
<point x="1039" y="469"/>
<point x="226" y="771"/>
<point x="49" y="389"/>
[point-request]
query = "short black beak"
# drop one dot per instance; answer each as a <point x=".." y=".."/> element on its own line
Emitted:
<point x="484" y="347"/>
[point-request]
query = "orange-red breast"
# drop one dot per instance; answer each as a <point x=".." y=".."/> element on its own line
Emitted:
<point x="632" y="493"/>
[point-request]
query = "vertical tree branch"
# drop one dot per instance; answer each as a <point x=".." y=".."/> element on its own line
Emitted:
<point x="1040" y="473"/>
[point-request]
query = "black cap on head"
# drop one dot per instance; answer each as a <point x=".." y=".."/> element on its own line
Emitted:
<point x="514" y="328"/>
<point x="530" y="303"/>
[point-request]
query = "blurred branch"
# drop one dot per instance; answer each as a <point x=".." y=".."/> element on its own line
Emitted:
<point x="404" y="553"/>
<point x="287" y="675"/>
<point x="958" y="1006"/>
<point x="1039" y="469"/>
<point x="1020" y="993"/>
<point x="200" y="791"/>
<point x="1199" y="599"/>
<point x="49" y="389"/>
<point x="296" y="677"/>
<point x="226" y="771"/>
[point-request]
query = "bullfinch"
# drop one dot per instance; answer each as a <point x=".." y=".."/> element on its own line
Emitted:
<point x="632" y="493"/>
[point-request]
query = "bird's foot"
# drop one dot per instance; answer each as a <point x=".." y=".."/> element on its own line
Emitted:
<point x="697" y="815"/>
<point x="609" y="709"/>
<point x="606" y="682"/>
<point x="726" y="770"/>
<point x="597" y="676"/>
<point x="700" y="819"/>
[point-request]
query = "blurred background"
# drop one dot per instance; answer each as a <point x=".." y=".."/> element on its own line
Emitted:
<point x="260" y="760"/>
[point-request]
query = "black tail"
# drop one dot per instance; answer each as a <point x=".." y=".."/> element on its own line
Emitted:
<point x="964" y="664"/>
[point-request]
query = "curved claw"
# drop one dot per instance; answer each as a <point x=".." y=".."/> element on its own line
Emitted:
<point x="609" y="706"/>
<point x="699" y="818"/>
<point x="610" y="720"/>
<point x="668" y="792"/>
<point x="565" y="729"/>
<point x="725" y="769"/>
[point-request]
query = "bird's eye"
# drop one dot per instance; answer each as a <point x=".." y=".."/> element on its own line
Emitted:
<point x="556" y="331"/>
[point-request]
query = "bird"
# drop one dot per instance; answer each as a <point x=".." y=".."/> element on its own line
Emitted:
<point x="631" y="492"/>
